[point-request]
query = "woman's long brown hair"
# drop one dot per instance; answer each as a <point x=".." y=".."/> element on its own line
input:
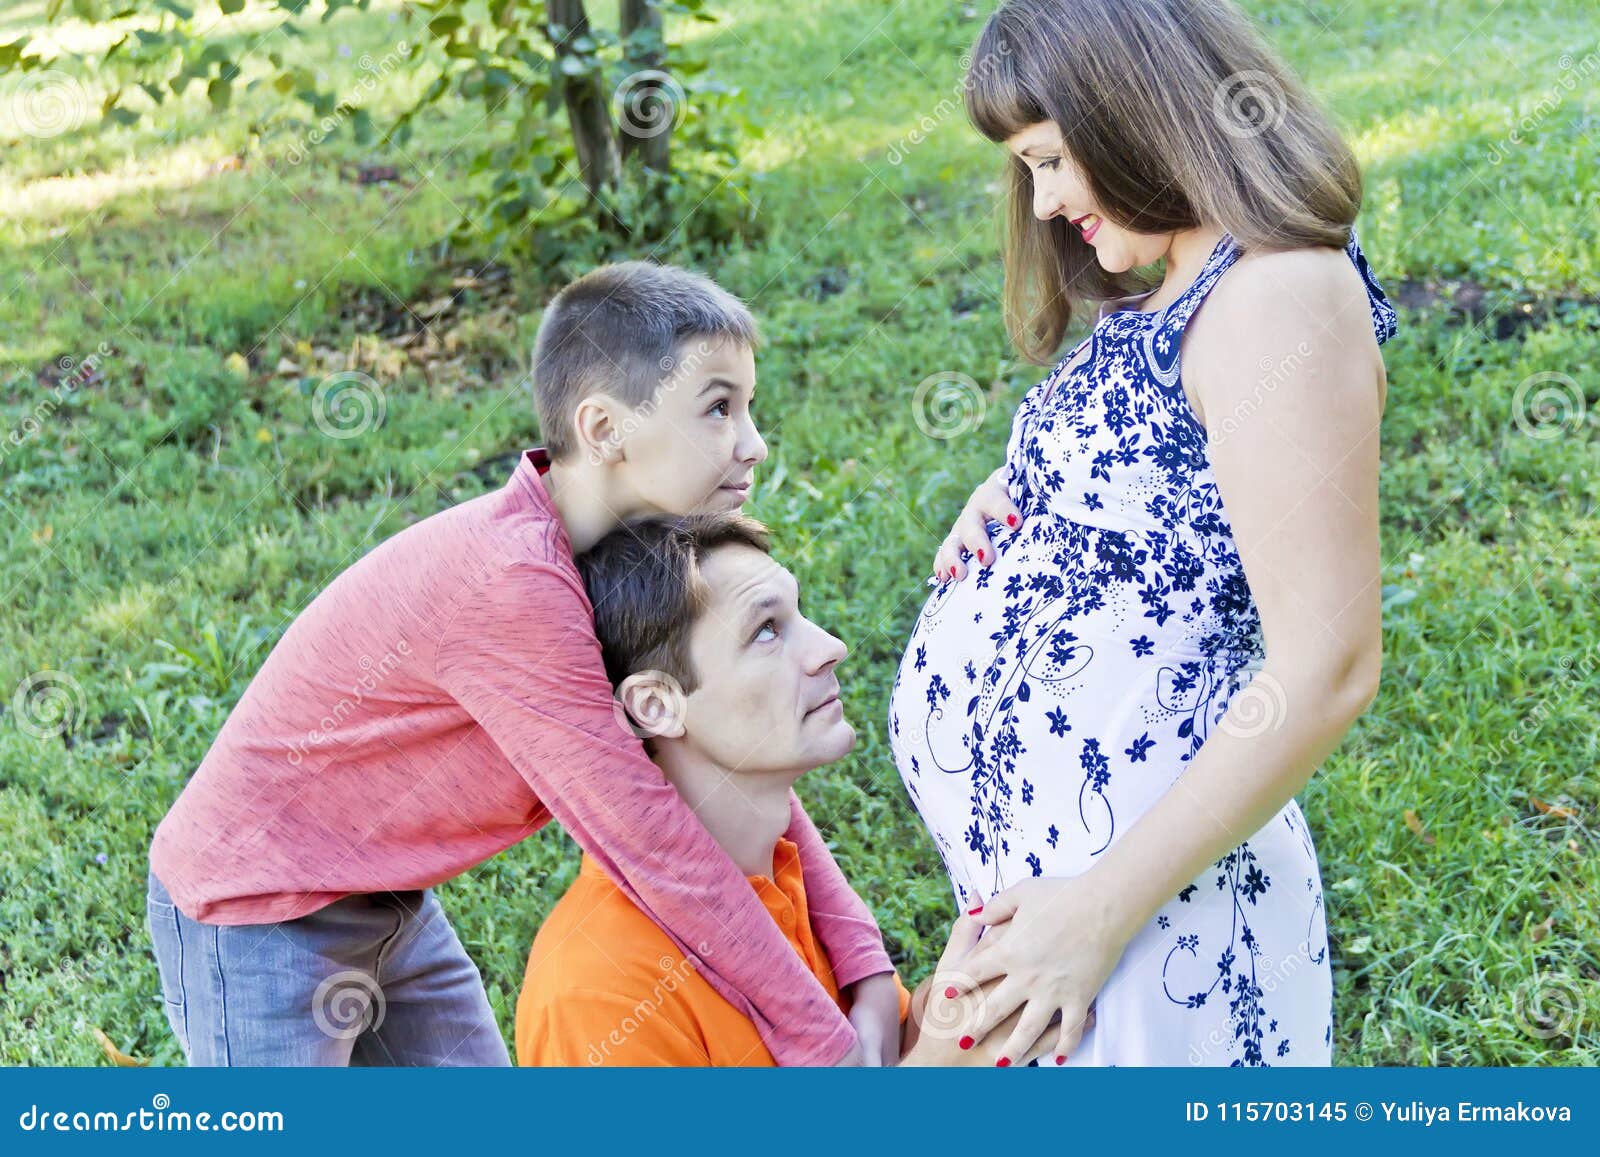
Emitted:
<point x="1177" y="114"/>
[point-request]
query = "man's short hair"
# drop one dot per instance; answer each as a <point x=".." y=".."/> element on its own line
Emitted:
<point x="620" y="330"/>
<point x="645" y="585"/>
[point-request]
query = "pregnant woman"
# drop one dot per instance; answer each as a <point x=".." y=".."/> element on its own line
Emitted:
<point x="1159" y="615"/>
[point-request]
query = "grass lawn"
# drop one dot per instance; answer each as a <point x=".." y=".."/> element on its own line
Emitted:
<point x="170" y="512"/>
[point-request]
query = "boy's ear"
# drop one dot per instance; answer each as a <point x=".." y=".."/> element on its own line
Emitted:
<point x="597" y="429"/>
<point x="655" y="704"/>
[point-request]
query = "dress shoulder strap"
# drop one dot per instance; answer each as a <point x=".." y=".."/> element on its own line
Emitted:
<point x="1385" y="322"/>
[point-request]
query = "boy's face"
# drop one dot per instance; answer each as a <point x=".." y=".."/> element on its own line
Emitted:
<point x="768" y="698"/>
<point x="694" y="447"/>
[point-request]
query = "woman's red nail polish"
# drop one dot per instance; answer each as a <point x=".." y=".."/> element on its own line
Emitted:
<point x="974" y="911"/>
<point x="950" y="993"/>
<point x="965" y="1042"/>
<point x="982" y="557"/>
<point x="1011" y="520"/>
<point x="1060" y="1060"/>
<point x="1003" y="1062"/>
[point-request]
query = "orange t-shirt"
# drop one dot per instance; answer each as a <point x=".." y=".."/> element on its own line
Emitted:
<point x="605" y="986"/>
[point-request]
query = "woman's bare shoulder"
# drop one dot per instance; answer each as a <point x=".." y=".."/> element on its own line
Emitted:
<point x="1291" y="308"/>
<point x="1318" y="284"/>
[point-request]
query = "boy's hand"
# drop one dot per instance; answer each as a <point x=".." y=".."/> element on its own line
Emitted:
<point x="875" y="1013"/>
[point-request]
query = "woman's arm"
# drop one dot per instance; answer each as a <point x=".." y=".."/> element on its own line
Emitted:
<point x="1284" y="362"/>
<point x="1298" y="473"/>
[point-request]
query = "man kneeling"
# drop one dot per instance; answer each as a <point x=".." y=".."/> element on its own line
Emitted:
<point x="736" y="695"/>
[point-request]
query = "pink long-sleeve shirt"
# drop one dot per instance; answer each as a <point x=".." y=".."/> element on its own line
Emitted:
<point x="445" y="697"/>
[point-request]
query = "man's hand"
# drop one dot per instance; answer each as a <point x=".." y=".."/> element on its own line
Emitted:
<point x="875" y="1013"/>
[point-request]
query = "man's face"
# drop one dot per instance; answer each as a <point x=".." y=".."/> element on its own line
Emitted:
<point x="694" y="447"/>
<point x="768" y="698"/>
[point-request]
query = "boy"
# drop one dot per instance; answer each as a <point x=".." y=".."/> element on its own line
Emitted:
<point x="445" y="697"/>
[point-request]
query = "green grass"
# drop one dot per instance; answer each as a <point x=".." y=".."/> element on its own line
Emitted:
<point x="181" y="498"/>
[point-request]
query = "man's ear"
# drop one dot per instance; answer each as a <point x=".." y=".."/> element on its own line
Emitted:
<point x="597" y="425"/>
<point x="655" y="704"/>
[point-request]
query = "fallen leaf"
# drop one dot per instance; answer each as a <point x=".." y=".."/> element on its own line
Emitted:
<point x="1415" y="824"/>
<point x="45" y="533"/>
<point x="116" y="1055"/>
<point x="1551" y="809"/>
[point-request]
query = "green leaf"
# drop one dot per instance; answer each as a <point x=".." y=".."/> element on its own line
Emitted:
<point x="121" y="116"/>
<point x="231" y="7"/>
<point x="176" y="9"/>
<point x="220" y="93"/>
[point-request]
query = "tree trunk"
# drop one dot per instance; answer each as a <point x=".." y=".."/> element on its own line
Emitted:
<point x="594" y="140"/>
<point x="652" y="135"/>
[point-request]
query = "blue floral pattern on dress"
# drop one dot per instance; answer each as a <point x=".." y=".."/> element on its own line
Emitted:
<point x="1047" y="700"/>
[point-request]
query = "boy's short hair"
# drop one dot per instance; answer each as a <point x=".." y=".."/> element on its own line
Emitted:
<point x="618" y="330"/>
<point x="645" y="585"/>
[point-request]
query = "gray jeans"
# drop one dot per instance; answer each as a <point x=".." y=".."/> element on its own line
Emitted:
<point x="373" y="979"/>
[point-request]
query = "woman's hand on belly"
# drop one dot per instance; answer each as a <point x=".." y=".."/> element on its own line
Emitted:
<point x="1050" y="946"/>
<point x="990" y="500"/>
<point x="942" y="1030"/>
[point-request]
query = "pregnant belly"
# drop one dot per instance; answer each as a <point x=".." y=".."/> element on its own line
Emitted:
<point x="1031" y="734"/>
